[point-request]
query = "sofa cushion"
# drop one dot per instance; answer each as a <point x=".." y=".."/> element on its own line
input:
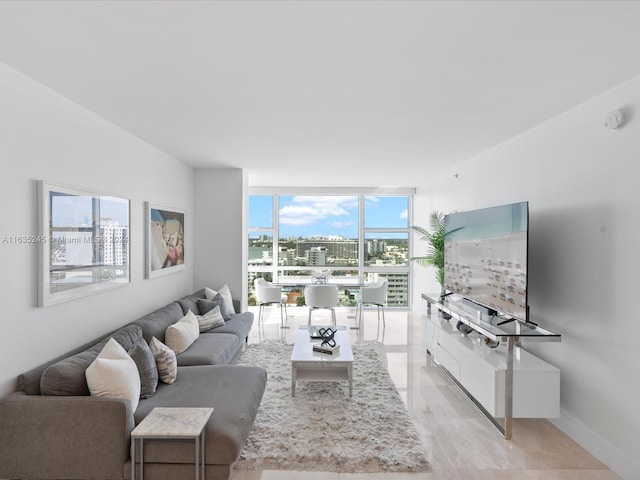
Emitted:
<point x="67" y="376"/>
<point x="155" y="324"/>
<point x="218" y="349"/>
<point x="239" y="325"/>
<point x="114" y="374"/>
<point x="165" y="361"/>
<point x="190" y="302"/>
<point x="147" y="369"/>
<point x="183" y="333"/>
<point x="234" y="391"/>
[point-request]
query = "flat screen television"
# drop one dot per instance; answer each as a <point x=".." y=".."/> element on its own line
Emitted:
<point x="485" y="257"/>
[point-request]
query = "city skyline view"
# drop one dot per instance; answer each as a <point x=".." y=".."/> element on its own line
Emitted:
<point x="325" y="232"/>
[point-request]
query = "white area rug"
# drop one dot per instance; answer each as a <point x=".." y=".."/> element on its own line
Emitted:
<point x="321" y="428"/>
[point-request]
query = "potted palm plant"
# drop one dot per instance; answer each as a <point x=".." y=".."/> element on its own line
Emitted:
<point x="435" y="250"/>
<point x="435" y="256"/>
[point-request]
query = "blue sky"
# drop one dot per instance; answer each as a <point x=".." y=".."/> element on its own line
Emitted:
<point x="309" y="215"/>
<point x="75" y="210"/>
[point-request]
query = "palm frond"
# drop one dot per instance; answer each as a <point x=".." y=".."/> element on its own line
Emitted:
<point x="435" y="239"/>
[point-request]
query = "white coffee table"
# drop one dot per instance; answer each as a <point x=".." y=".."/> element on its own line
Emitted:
<point x="170" y="424"/>
<point x="307" y="365"/>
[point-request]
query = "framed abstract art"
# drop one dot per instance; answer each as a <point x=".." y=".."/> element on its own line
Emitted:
<point x="165" y="240"/>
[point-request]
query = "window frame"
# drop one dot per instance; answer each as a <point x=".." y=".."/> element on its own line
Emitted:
<point x="275" y="268"/>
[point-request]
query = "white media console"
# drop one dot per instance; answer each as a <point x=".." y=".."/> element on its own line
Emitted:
<point x="504" y="382"/>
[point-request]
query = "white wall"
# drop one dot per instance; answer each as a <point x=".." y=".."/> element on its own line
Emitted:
<point x="220" y="232"/>
<point x="45" y="136"/>
<point x="582" y="183"/>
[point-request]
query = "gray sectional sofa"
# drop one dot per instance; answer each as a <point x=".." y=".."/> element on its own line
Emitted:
<point x="73" y="435"/>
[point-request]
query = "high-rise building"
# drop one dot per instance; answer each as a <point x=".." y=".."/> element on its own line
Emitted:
<point x="316" y="256"/>
<point x="112" y="243"/>
<point x="397" y="288"/>
<point x="287" y="256"/>
<point x="334" y="248"/>
<point x="375" y="246"/>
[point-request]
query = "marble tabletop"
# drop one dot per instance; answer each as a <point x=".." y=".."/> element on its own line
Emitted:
<point x="173" y="422"/>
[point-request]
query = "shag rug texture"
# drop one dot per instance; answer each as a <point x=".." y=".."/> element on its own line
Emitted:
<point x="322" y="428"/>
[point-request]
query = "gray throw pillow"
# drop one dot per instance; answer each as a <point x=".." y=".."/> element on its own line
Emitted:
<point x="166" y="361"/>
<point x="205" y="305"/>
<point x="67" y="376"/>
<point x="146" y="363"/>
<point x="212" y="319"/>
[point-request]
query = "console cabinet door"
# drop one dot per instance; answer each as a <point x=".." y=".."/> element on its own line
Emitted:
<point x="482" y="372"/>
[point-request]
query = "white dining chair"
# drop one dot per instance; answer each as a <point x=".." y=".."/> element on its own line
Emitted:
<point x="321" y="296"/>
<point x="268" y="294"/>
<point x="373" y="294"/>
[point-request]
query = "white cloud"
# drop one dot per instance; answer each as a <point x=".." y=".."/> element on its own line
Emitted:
<point x="307" y="210"/>
<point x="404" y="214"/>
<point x="298" y="215"/>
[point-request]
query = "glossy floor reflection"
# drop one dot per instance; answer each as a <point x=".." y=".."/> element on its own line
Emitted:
<point x="460" y="443"/>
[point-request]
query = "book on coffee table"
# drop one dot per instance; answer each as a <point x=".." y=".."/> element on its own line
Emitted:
<point x="326" y="349"/>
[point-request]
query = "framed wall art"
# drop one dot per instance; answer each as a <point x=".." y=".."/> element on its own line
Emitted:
<point x="83" y="243"/>
<point x="165" y="240"/>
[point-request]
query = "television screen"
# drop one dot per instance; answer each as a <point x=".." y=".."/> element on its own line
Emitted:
<point x="485" y="257"/>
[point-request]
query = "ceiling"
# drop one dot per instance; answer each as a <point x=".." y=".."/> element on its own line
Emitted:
<point x="331" y="93"/>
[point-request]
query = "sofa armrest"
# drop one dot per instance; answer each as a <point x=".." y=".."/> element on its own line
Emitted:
<point x="64" y="436"/>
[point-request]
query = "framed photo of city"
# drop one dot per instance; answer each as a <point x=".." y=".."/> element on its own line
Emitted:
<point x="165" y="240"/>
<point x="83" y="242"/>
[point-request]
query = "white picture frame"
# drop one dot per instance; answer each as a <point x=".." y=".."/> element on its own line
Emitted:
<point x="83" y="243"/>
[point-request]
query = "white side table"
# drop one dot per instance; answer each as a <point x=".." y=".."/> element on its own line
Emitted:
<point x="170" y="424"/>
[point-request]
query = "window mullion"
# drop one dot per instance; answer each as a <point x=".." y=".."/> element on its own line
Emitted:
<point x="276" y="238"/>
<point x="360" y="238"/>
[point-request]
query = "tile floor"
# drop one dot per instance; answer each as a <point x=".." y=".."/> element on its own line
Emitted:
<point x="460" y="443"/>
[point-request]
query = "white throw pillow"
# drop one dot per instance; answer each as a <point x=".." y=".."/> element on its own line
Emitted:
<point x="165" y="361"/>
<point x="114" y="374"/>
<point x="183" y="333"/>
<point x="209" y="293"/>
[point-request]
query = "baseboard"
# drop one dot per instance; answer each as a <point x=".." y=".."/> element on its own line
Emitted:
<point x="623" y="465"/>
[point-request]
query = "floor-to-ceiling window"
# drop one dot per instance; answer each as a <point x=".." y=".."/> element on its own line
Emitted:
<point x="352" y="237"/>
